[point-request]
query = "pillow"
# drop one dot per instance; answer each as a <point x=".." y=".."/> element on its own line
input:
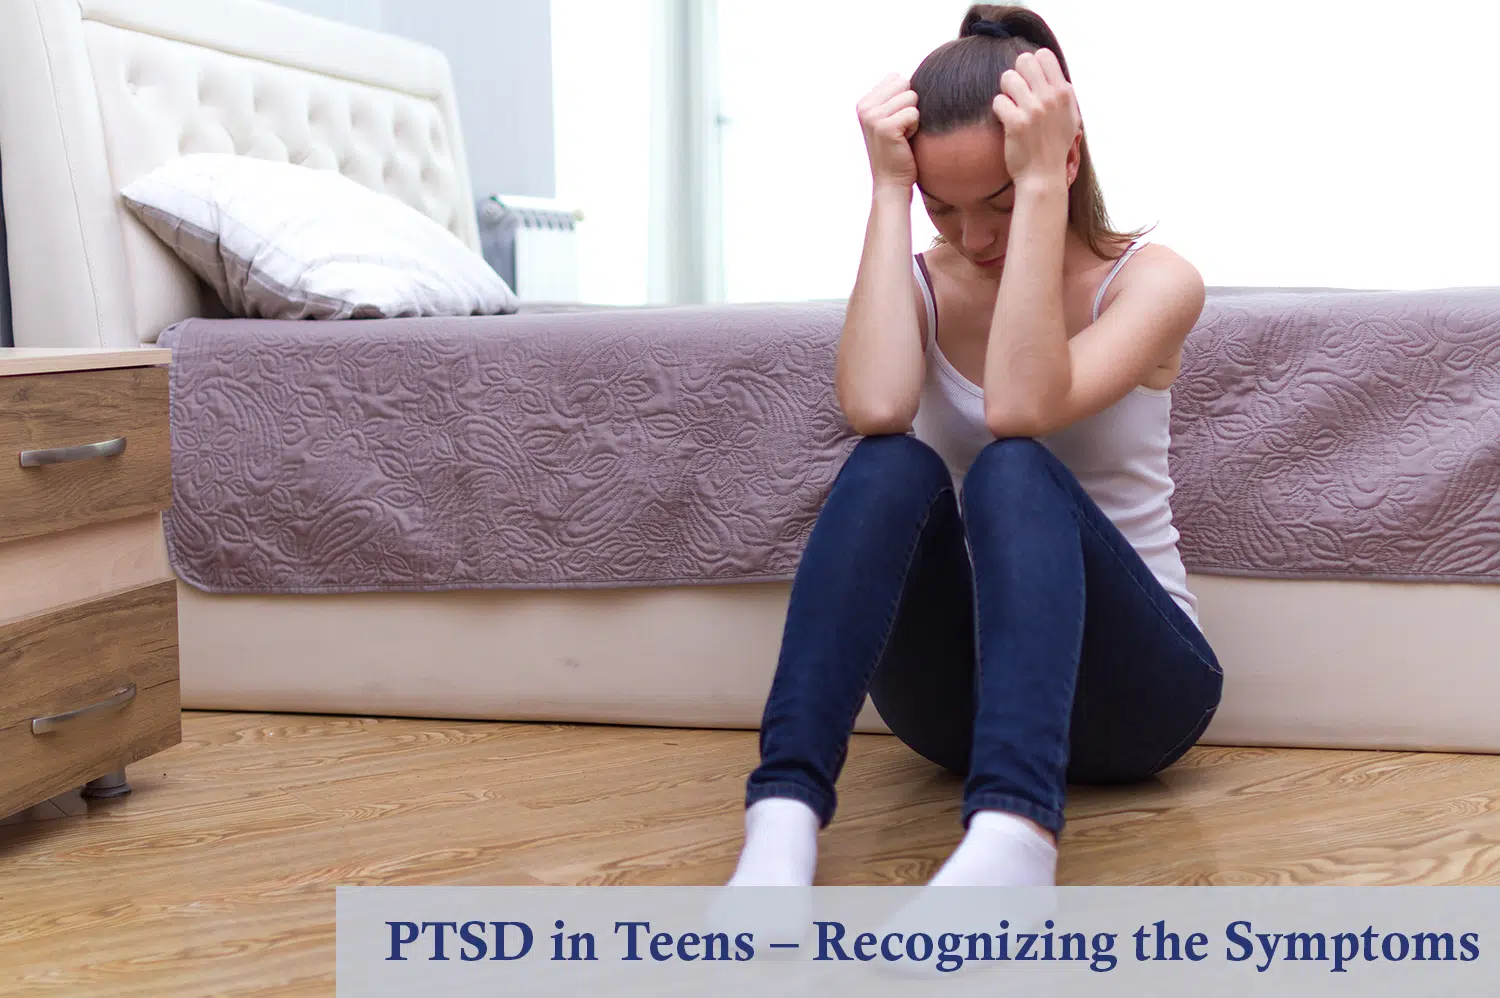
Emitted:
<point x="281" y="241"/>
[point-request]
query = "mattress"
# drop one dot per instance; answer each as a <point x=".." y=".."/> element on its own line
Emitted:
<point x="1332" y="494"/>
<point x="1307" y="663"/>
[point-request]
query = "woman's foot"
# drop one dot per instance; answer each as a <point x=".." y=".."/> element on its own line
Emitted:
<point x="781" y="850"/>
<point x="1001" y="850"/>
<point x="781" y="845"/>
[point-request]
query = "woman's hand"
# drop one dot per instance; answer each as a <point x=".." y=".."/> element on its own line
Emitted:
<point x="888" y="115"/>
<point x="1039" y="112"/>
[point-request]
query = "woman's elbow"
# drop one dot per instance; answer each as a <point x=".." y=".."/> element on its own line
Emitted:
<point x="875" y="420"/>
<point x="1003" y="423"/>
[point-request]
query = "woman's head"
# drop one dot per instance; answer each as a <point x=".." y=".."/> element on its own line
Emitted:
<point x="960" y="147"/>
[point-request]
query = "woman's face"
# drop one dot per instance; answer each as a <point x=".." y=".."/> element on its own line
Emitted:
<point x="967" y="191"/>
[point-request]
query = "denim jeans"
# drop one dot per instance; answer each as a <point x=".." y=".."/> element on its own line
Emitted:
<point x="1041" y="652"/>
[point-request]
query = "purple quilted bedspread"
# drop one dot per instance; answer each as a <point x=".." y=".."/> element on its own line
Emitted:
<point x="587" y="448"/>
<point x="1341" y="434"/>
<point x="1330" y="434"/>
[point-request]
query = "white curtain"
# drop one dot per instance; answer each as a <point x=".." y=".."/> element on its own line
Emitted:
<point x="637" y="122"/>
<point x="602" y="96"/>
<point x="685" y="263"/>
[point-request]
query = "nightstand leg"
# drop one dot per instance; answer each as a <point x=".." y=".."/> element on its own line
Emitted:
<point x="109" y="785"/>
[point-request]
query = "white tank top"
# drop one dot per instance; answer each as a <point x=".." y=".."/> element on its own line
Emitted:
<point x="1119" y="455"/>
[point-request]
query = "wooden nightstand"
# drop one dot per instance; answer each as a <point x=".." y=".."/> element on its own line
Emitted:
<point x="88" y="603"/>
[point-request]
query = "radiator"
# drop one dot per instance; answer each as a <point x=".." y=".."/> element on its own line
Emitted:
<point x="533" y="244"/>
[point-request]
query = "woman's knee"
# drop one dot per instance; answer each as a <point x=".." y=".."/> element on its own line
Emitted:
<point x="894" y="465"/>
<point x="1008" y="461"/>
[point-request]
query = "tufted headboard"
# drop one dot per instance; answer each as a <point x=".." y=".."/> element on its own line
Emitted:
<point x="95" y="93"/>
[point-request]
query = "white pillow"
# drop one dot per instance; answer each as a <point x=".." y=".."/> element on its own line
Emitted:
<point x="280" y="241"/>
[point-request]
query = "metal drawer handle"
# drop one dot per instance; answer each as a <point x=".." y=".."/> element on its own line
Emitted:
<point x="62" y="455"/>
<point x="119" y="698"/>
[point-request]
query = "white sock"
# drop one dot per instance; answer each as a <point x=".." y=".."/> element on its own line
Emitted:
<point x="781" y="845"/>
<point x="1000" y="850"/>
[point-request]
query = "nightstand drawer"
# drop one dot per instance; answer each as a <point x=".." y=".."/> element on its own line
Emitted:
<point x="89" y="688"/>
<point x="82" y="447"/>
<point x="35" y="767"/>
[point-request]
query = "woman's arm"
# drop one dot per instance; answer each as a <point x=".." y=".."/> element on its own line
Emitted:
<point x="880" y="365"/>
<point x="1027" y="369"/>
<point x="1036" y="379"/>
<point x="878" y="378"/>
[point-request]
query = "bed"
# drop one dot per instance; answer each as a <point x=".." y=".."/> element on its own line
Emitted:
<point x="94" y="93"/>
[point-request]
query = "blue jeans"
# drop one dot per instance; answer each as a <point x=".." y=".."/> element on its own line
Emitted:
<point x="1050" y="655"/>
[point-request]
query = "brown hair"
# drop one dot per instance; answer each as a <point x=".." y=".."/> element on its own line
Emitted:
<point x="956" y="86"/>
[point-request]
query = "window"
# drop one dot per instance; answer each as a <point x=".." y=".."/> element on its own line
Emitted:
<point x="602" y="105"/>
<point x="796" y="188"/>
<point x="1322" y="145"/>
<point x="1327" y="145"/>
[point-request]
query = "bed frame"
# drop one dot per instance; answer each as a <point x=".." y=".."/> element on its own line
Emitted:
<point x="94" y="93"/>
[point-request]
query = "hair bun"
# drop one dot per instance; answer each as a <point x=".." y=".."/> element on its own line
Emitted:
<point x="992" y="29"/>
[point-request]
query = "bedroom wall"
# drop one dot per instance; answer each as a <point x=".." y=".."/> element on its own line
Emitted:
<point x="501" y="55"/>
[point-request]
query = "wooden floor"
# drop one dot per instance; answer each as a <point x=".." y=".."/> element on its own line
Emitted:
<point x="217" y="875"/>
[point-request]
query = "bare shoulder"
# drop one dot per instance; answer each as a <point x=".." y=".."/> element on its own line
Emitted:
<point x="1162" y="274"/>
<point x="1162" y="294"/>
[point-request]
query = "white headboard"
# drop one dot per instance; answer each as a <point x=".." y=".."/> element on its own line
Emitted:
<point x="95" y="93"/>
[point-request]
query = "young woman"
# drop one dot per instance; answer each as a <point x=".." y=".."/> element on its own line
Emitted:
<point x="996" y="564"/>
